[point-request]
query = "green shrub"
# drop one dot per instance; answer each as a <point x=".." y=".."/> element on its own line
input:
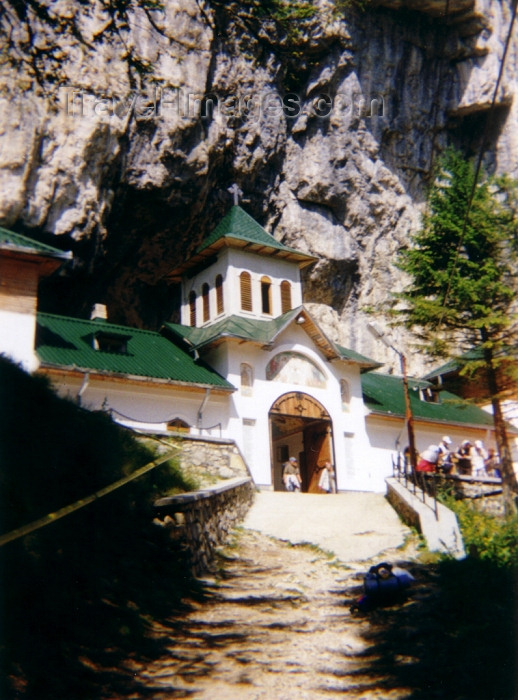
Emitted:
<point x="486" y="536"/>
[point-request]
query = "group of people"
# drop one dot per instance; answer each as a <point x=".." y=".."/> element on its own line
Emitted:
<point x="293" y="482"/>
<point x="470" y="459"/>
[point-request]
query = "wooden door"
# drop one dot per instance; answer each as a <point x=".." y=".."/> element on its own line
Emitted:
<point x="317" y="446"/>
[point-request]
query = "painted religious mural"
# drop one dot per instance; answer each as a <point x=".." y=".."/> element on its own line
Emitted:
<point x="295" y="368"/>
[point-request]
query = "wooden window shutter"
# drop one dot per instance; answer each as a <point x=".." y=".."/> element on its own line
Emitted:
<point x="285" y="296"/>
<point x="266" y="295"/>
<point x="246" y="291"/>
<point x="205" y="290"/>
<point x="192" y="309"/>
<point x="219" y="294"/>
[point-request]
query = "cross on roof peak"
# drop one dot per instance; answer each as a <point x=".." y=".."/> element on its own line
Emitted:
<point x="236" y="192"/>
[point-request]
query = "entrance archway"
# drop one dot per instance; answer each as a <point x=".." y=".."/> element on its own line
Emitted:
<point x="300" y="427"/>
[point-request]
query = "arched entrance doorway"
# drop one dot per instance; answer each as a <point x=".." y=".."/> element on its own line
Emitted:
<point x="300" y="427"/>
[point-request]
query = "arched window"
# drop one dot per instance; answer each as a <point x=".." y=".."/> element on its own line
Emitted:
<point x="285" y="296"/>
<point x="247" y="379"/>
<point x="219" y="294"/>
<point x="266" y="295"/>
<point x="246" y="291"/>
<point x="345" y="394"/>
<point x="206" y="304"/>
<point x="192" y="309"/>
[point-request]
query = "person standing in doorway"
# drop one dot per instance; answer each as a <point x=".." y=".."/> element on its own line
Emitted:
<point x="326" y="482"/>
<point x="291" y="475"/>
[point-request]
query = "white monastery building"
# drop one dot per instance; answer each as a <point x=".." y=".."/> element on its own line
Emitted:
<point x="247" y="363"/>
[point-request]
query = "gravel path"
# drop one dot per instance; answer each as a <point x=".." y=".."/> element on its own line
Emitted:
<point x="277" y="625"/>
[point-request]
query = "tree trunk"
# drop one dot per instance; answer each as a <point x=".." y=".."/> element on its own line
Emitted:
<point x="509" y="481"/>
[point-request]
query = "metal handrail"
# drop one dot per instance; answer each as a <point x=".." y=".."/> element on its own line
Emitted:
<point x="422" y="486"/>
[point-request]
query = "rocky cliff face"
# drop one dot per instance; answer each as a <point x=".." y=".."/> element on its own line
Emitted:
<point x="330" y="126"/>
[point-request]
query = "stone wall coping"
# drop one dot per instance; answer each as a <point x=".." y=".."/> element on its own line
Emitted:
<point x="181" y="499"/>
<point x="189" y="436"/>
<point x="468" y="478"/>
<point x="442" y="534"/>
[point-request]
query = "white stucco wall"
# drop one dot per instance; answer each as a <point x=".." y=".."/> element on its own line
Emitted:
<point x="147" y="407"/>
<point x="230" y="264"/>
<point x="17" y="334"/>
<point x="248" y="414"/>
<point x="384" y="433"/>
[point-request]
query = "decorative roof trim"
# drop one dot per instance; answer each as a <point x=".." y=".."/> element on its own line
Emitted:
<point x="103" y="375"/>
<point x="269" y="332"/>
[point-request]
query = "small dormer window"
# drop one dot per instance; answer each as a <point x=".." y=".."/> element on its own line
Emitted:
<point x="104" y="341"/>
<point x="429" y="394"/>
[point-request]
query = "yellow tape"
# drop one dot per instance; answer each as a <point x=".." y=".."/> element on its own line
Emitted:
<point x="81" y="503"/>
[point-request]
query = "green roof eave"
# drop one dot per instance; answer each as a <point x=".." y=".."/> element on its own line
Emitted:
<point x="131" y="377"/>
<point x="17" y="243"/>
<point x="365" y="363"/>
<point x="265" y="333"/>
<point x="236" y="327"/>
<point x="68" y="344"/>
<point x="455" y="364"/>
<point x="384" y="395"/>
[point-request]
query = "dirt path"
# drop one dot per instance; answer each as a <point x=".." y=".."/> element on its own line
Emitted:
<point x="276" y="625"/>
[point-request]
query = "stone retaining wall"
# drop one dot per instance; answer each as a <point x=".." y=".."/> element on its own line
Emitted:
<point x="201" y="520"/>
<point x="206" y="459"/>
<point x="441" y="531"/>
<point x="485" y="492"/>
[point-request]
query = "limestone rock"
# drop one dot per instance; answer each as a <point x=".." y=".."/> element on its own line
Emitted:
<point x="330" y="128"/>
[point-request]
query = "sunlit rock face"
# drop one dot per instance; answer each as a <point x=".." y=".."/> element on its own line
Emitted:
<point x="331" y="138"/>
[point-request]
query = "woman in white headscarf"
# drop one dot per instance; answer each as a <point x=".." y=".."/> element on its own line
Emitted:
<point x="478" y="459"/>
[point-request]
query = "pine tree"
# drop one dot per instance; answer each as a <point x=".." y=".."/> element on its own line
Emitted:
<point x="462" y="266"/>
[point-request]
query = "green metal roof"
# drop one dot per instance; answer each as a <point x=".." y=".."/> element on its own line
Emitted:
<point x="251" y="329"/>
<point x="240" y="225"/>
<point x="507" y="354"/>
<point x="68" y="343"/>
<point x="16" y="242"/>
<point x="239" y="230"/>
<point x="456" y="364"/>
<point x="354" y="356"/>
<point x="265" y="332"/>
<point x="384" y="394"/>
